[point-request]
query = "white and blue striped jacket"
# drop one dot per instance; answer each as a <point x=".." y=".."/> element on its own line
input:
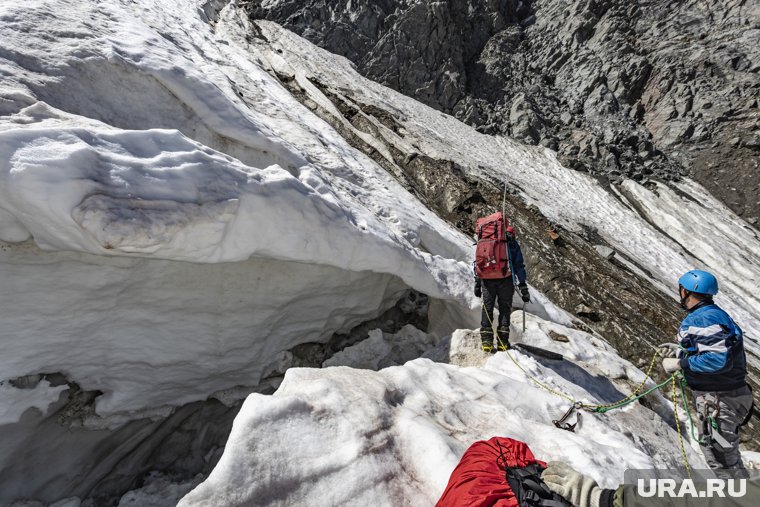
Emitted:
<point x="713" y="357"/>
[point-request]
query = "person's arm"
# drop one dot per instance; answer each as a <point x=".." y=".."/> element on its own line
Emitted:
<point x="707" y="348"/>
<point x="627" y="495"/>
<point x="518" y="268"/>
<point x="518" y="263"/>
<point x="578" y="489"/>
<point x="478" y="288"/>
<point x="583" y="491"/>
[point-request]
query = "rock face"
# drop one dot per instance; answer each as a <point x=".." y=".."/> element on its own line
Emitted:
<point x="588" y="271"/>
<point x="617" y="89"/>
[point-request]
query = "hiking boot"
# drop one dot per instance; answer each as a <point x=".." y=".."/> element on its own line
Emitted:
<point x="502" y="338"/>
<point x="486" y="339"/>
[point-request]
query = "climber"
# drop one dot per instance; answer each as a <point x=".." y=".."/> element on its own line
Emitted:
<point x="583" y="491"/>
<point x="498" y="261"/>
<point x="710" y="354"/>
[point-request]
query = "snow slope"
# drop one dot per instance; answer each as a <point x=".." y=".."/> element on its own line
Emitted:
<point x="132" y="137"/>
<point x="665" y="231"/>
<point x="173" y="221"/>
<point x="342" y="436"/>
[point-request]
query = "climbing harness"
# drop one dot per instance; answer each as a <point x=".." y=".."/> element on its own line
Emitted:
<point x="562" y="423"/>
<point x="709" y="424"/>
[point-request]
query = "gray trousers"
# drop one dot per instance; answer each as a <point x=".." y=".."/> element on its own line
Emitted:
<point x="728" y="409"/>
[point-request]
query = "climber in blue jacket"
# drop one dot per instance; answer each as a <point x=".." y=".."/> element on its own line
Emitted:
<point x="710" y="354"/>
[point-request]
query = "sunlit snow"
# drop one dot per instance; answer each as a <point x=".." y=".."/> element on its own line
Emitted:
<point x="173" y="221"/>
<point x="338" y="436"/>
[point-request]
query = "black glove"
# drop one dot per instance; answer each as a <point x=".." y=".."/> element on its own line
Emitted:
<point x="478" y="291"/>
<point x="524" y="293"/>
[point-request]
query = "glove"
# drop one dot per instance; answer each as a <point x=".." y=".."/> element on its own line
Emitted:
<point x="478" y="291"/>
<point x="578" y="489"/>
<point x="668" y="349"/>
<point x="524" y="293"/>
<point x="671" y="364"/>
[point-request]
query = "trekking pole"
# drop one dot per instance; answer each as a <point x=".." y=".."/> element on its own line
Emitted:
<point x="504" y="201"/>
<point x="509" y="256"/>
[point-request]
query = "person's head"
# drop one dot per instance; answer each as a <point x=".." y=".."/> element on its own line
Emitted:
<point x="696" y="286"/>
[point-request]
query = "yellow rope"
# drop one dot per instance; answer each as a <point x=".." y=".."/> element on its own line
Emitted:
<point x="535" y="381"/>
<point x="565" y="396"/>
<point x="634" y="393"/>
<point x="593" y="407"/>
<point x="678" y="427"/>
<point x="556" y="393"/>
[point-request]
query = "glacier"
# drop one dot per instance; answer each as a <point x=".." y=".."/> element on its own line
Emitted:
<point x="173" y="222"/>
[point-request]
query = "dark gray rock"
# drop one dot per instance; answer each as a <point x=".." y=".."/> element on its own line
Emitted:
<point x="572" y="269"/>
<point x="608" y="75"/>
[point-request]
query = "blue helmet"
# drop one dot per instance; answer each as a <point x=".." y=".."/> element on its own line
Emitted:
<point x="700" y="282"/>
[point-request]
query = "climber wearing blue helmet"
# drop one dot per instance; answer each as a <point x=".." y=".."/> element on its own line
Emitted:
<point x="710" y="353"/>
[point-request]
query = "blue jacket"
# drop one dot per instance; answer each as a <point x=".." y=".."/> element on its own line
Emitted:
<point x="713" y="350"/>
<point x="516" y="258"/>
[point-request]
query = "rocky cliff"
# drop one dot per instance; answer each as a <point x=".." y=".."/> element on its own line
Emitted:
<point x="643" y="90"/>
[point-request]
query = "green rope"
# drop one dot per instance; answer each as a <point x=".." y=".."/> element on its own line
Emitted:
<point x="621" y="404"/>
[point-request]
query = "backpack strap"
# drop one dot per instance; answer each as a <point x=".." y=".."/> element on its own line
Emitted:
<point x="752" y="409"/>
<point x="530" y="490"/>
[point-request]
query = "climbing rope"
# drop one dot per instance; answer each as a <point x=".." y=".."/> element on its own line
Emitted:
<point x="535" y="381"/>
<point x="678" y="424"/>
<point x="606" y="408"/>
<point x="688" y="412"/>
<point x="630" y="398"/>
<point x="539" y="383"/>
<point x="591" y="408"/>
<point x="674" y="379"/>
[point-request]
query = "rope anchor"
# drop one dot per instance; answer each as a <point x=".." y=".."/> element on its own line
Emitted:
<point x="562" y="422"/>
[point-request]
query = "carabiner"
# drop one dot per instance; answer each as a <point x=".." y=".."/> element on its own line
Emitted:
<point x="562" y="423"/>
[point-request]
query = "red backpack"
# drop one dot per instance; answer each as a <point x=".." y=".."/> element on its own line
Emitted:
<point x="491" y="254"/>
<point x="500" y="472"/>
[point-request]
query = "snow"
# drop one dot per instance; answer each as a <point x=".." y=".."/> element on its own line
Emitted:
<point x="751" y="459"/>
<point x="133" y="138"/>
<point x="381" y="350"/>
<point x="716" y="238"/>
<point x="340" y="435"/>
<point x="173" y="221"/>
<point x="664" y="231"/>
<point x="14" y="402"/>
